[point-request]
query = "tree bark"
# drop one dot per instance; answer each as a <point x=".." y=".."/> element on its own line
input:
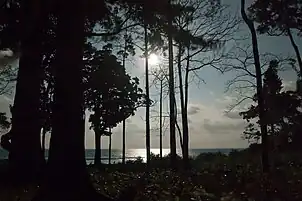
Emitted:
<point x="263" y="126"/>
<point x="171" y="89"/>
<point x="26" y="157"/>
<point x="148" y="151"/>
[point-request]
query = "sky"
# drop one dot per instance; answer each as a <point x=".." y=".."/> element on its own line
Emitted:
<point x="209" y="124"/>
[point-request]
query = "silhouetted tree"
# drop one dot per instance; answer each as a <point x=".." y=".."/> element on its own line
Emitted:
<point x="272" y="86"/>
<point x="281" y="109"/>
<point x="279" y="18"/>
<point x="110" y="93"/>
<point x="263" y="126"/>
<point x="66" y="153"/>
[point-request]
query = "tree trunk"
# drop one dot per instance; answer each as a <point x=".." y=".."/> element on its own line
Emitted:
<point x="263" y="126"/>
<point x="171" y="89"/>
<point x="184" y="115"/>
<point x="272" y="130"/>
<point x="67" y="178"/>
<point x="43" y="141"/>
<point x="26" y="157"/>
<point x="97" y="149"/>
<point x="110" y="141"/>
<point x="160" y="120"/>
<point x="296" y="48"/>
<point x="148" y="151"/>
<point x="124" y="120"/>
<point x="124" y="142"/>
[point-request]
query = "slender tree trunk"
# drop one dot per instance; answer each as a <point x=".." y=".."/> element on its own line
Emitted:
<point x="97" y="133"/>
<point x="147" y="96"/>
<point x="178" y="129"/>
<point x="161" y="120"/>
<point x="184" y="115"/>
<point x="296" y="48"/>
<point x="180" y="138"/>
<point x="187" y="79"/>
<point x="171" y="89"/>
<point x="124" y="120"/>
<point x="263" y="126"/>
<point x="26" y="157"/>
<point x="124" y="142"/>
<point x="110" y="141"/>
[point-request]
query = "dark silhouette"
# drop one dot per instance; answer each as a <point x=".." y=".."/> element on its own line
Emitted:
<point x="263" y="125"/>
<point x="73" y="57"/>
<point x="275" y="102"/>
<point x="279" y="18"/>
<point x="25" y="156"/>
<point x="112" y="100"/>
<point x="171" y="88"/>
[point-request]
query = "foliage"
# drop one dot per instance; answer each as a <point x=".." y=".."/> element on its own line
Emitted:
<point x="228" y="178"/>
<point x="276" y="17"/>
<point x="280" y="107"/>
<point x="4" y="121"/>
<point x="108" y="89"/>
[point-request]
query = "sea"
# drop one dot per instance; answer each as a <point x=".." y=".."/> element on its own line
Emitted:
<point x="132" y="154"/>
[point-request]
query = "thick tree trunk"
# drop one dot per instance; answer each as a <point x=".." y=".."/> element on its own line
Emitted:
<point x="124" y="142"/>
<point x="148" y="151"/>
<point x="67" y="178"/>
<point x="161" y="120"/>
<point x="263" y="126"/>
<point x="171" y="90"/>
<point x="97" y="148"/>
<point x="26" y="156"/>
<point x="184" y="115"/>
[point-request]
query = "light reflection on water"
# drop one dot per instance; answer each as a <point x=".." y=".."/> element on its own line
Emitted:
<point x="131" y="154"/>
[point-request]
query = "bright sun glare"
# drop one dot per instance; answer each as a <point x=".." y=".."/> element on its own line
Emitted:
<point x="153" y="59"/>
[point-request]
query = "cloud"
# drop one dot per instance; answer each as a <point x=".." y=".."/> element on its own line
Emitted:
<point x="193" y="110"/>
<point x="233" y="115"/>
<point x="219" y="127"/>
<point x="288" y="85"/>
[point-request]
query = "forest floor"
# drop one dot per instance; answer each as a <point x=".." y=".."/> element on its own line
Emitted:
<point x="213" y="177"/>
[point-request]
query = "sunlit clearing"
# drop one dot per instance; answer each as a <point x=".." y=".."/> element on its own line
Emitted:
<point x="153" y="59"/>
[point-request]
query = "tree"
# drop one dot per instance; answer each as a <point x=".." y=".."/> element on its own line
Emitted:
<point x="112" y="100"/>
<point x="272" y="86"/>
<point x="146" y="54"/>
<point x="67" y="154"/>
<point x="25" y="143"/>
<point x="279" y="18"/>
<point x="281" y="108"/>
<point x="263" y="126"/>
<point x="171" y="87"/>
